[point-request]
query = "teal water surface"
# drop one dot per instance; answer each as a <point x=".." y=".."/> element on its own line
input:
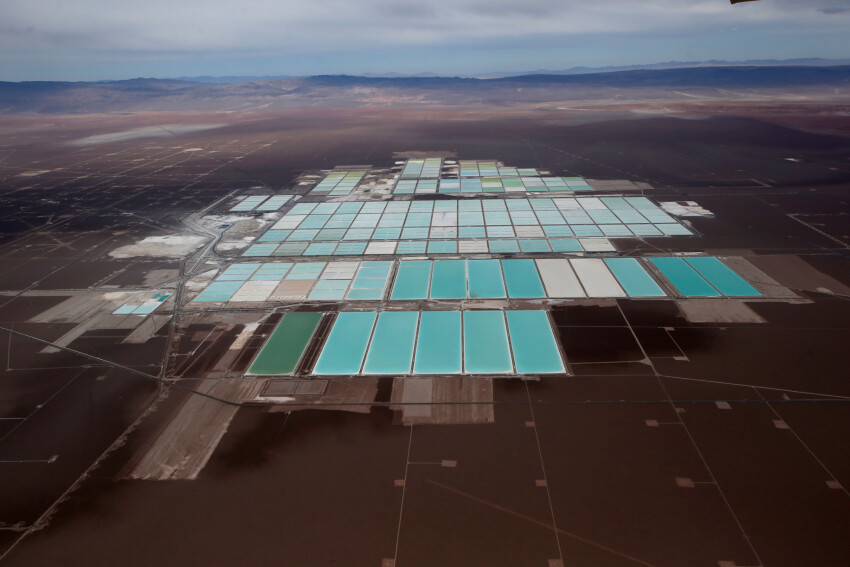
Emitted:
<point x="438" y="349"/>
<point x="485" y="279"/>
<point x="534" y="347"/>
<point x="412" y="280"/>
<point x="346" y="345"/>
<point x="633" y="277"/>
<point x="485" y="343"/>
<point x="683" y="277"/>
<point x="391" y="350"/>
<point x="522" y="279"/>
<point x="448" y="279"/>
<point x="722" y="277"/>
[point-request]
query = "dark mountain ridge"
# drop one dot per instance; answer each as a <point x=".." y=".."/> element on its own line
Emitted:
<point x="347" y="90"/>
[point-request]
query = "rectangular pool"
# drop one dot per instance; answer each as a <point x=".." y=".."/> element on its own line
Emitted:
<point x="722" y="277"/>
<point x="634" y="278"/>
<point x="559" y="278"/>
<point x="286" y="345"/>
<point x="521" y="279"/>
<point x="684" y="278"/>
<point x="533" y="343"/>
<point x="413" y="280"/>
<point x="485" y="279"/>
<point x="485" y="343"/>
<point x="391" y="350"/>
<point x="448" y="279"/>
<point x="596" y="279"/>
<point x="346" y="345"/>
<point x="438" y="344"/>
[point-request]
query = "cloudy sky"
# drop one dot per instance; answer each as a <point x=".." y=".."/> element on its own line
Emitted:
<point x="118" y="39"/>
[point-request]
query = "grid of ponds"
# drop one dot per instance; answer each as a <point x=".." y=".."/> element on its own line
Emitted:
<point x="261" y="203"/>
<point x="704" y="276"/>
<point x="289" y="281"/>
<point x="462" y="279"/>
<point x="491" y="185"/>
<point x="440" y="342"/>
<point x="424" y="176"/>
<point x="414" y="247"/>
<point x="537" y="220"/>
<point x="429" y="168"/>
<point x="490" y="168"/>
<point x="339" y="182"/>
<point x="523" y="279"/>
<point x="459" y="341"/>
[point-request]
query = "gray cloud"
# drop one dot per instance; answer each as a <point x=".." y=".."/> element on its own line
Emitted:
<point x="203" y="25"/>
<point x="112" y="30"/>
<point x="409" y="9"/>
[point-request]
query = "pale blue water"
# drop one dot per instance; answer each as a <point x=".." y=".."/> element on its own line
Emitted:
<point x="219" y="291"/>
<point x="683" y="277"/>
<point x="522" y="279"/>
<point x="565" y="245"/>
<point x="391" y="350"/>
<point x="722" y="277"/>
<point x="448" y="279"/>
<point x="370" y="281"/>
<point x="485" y="279"/>
<point x="534" y="347"/>
<point x="412" y="280"/>
<point x="485" y="343"/>
<point x="329" y="290"/>
<point x="633" y="277"/>
<point x="438" y="349"/>
<point x="346" y="345"/>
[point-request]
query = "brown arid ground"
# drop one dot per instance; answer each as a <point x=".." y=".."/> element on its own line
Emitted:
<point x="681" y="436"/>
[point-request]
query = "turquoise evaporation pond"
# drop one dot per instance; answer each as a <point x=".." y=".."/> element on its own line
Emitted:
<point x="722" y="277"/>
<point x="485" y="343"/>
<point x="444" y="342"/>
<point x="438" y="345"/>
<point x="633" y="278"/>
<point x="448" y="279"/>
<point x="522" y="279"/>
<point x="346" y="344"/>
<point x="391" y="351"/>
<point x="534" y="347"/>
<point x="684" y="277"/>
<point x="412" y="279"/>
<point x="485" y="279"/>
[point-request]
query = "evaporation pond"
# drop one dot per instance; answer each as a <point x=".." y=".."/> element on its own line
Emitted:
<point x="684" y="277"/>
<point x="721" y="276"/>
<point x="391" y="350"/>
<point x="438" y="349"/>
<point x="412" y="280"/>
<point x="522" y="279"/>
<point x="485" y="343"/>
<point x="283" y="350"/>
<point x="448" y="280"/>
<point x="534" y="347"/>
<point x="633" y="277"/>
<point x="485" y="279"/>
<point x="346" y="345"/>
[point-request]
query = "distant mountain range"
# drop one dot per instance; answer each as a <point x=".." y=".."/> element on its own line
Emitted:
<point x="814" y="62"/>
<point x="326" y="91"/>
<point x="571" y="71"/>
